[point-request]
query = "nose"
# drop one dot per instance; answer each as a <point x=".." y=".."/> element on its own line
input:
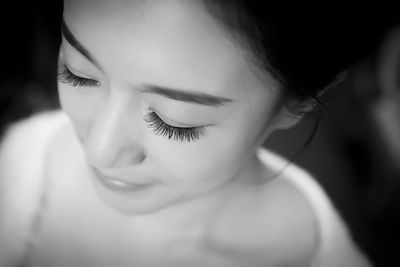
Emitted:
<point x="111" y="140"/>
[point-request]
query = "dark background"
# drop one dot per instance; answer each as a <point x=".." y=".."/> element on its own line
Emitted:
<point x="30" y="37"/>
<point x="344" y="155"/>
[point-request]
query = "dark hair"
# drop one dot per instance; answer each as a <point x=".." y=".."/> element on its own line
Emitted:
<point x="305" y="50"/>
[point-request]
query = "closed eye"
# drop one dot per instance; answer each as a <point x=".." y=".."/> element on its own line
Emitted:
<point x="159" y="127"/>
<point x="67" y="77"/>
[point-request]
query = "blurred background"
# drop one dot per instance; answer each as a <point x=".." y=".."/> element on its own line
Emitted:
<point x="351" y="154"/>
<point x="29" y="47"/>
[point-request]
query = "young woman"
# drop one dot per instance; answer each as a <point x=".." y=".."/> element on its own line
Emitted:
<point x="157" y="160"/>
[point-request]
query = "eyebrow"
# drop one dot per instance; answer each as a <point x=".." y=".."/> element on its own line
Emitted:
<point x="71" y="39"/>
<point x="189" y="97"/>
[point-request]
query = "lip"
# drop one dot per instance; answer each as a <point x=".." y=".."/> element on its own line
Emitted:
<point x="119" y="185"/>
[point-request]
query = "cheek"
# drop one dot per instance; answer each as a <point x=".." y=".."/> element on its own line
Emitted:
<point x="78" y="105"/>
<point x="214" y="159"/>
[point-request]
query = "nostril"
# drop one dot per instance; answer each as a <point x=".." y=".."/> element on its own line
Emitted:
<point x="115" y="156"/>
<point x="142" y="158"/>
<point x="132" y="154"/>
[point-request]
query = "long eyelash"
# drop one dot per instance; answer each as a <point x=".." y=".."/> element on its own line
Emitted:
<point x="176" y="133"/>
<point x="67" y="77"/>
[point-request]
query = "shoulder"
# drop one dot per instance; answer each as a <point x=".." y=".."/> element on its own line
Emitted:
<point x="22" y="155"/>
<point x="333" y="244"/>
<point x="290" y="215"/>
<point x="24" y="143"/>
<point x="273" y="222"/>
<point x="30" y="133"/>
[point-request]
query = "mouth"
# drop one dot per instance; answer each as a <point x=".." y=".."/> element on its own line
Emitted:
<point x="119" y="185"/>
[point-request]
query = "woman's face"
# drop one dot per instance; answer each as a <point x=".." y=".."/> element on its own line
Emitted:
<point x="165" y="104"/>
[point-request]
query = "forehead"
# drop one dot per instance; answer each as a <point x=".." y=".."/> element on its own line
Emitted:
<point x="175" y="42"/>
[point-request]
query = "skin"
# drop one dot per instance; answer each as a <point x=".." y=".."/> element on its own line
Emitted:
<point x="177" y="45"/>
<point x="206" y="189"/>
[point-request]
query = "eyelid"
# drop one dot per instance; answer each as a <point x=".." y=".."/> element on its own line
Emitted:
<point x="171" y="122"/>
<point x="66" y="76"/>
<point x="175" y="123"/>
<point x="77" y="73"/>
<point x="159" y="127"/>
<point x="74" y="71"/>
<point x="69" y="53"/>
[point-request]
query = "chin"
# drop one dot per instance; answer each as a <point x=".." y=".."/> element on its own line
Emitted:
<point x="133" y="209"/>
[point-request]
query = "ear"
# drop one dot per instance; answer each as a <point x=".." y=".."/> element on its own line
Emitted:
<point x="284" y="119"/>
<point x="389" y="64"/>
<point x="386" y="110"/>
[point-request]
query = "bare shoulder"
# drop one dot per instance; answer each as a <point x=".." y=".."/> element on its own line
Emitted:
<point x="270" y="224"/>
<point x="22" y="153"/>
<point x="24" y="146"/>
<point x="23" y="149"/>
<point x="292" y="223"/>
